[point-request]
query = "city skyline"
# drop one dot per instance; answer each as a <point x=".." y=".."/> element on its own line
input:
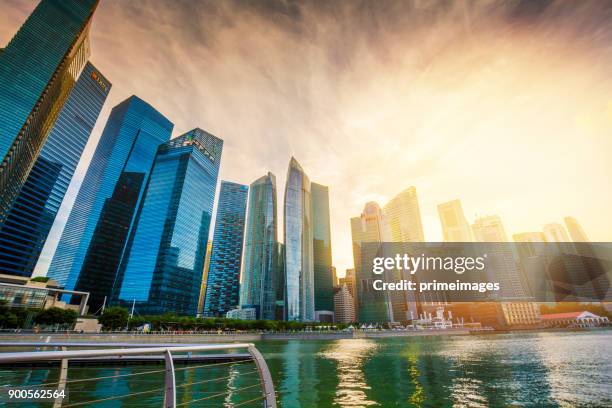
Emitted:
<point x="344" y="149"/>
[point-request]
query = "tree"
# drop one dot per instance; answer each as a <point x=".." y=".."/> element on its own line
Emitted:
<point x="114" y="318"/>
<point x="55" y="315"/>
<point x="42" y="279"/>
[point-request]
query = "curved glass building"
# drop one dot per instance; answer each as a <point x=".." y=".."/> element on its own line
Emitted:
<point x="260" y="273"/>
<point x="299" y="265"/>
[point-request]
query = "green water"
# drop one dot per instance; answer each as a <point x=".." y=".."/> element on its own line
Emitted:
<point x="509" y="370"/>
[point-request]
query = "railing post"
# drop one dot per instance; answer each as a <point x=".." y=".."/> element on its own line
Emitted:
<point x="63" y="376"/>
<point x="170" y="382"/>
<point x="264" y="376"/>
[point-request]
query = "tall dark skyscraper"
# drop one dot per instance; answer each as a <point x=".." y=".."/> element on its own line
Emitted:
<point x="38" y="69"/>
<point x="161" y="270"/>
<point x="25" y="229"/>
<point x="223" y="286"/>
<point x="93" y="239"/>
<point x="299" y="272"/>
<point x="260" y="283"/>
<point x="322" y="253"/>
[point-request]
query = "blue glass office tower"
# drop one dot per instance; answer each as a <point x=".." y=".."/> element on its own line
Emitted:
<point x="322" y="253"/>
<point x="161" y="270"/>
<point x="299" y="272"/>
<point x="38" y="69"/>
<point x="223" y="285"/>
<point x="93" y="239"/>
<point x="259" y="281"/>
<point x="25" y="230"/>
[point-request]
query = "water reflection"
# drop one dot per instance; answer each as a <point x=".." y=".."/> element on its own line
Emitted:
<point x="350" y="356"/>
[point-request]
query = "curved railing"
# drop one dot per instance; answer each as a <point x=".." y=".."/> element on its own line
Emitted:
<point x="121" y="351"/>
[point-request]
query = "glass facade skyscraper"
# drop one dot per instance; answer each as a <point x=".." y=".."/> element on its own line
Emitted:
<point x="25" y="230"/>
<point x="299" y="272"/>
<point x="38" y="69"/>
<point x="93" y="239"/>
<point x="259" y="286"/>
<point x="322" y="253"/>
<point x="161" y="270"/>
<point x="223" y="287"/>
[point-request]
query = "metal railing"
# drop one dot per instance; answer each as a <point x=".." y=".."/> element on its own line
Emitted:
<point x="168" y="351"/>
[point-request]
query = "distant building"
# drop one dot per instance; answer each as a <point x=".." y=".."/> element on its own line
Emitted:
<point x="370" y="228"/>
<point x="521" y="313"/>
<point x="261" y="281"/>
<point x="574" y="319"/>
<point x="28" y="222"/>
<point x="204" y="278"/>
<point x="298" y="233"/>
<point x="557" y="235"/>
<point x="455" y="227"/>
<point x="242" y="314"/>
<point x="349" y="279"/>
<point x="223" y="287"/>
<point x="403" y="216"/>
<point x="92" y="243"/>
<point x="575" y="230"/>
<point x="322" y="254"/>
<point x="161" y="270"/>
<point x="39" y="69"/>
<point x="344" y="305"/>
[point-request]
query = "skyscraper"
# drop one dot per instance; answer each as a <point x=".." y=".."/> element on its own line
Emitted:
<point x="344" y="304"/>
<point x="260" y="283"/>
<point x="161" y="269"/>
<point x="299" y="268"/>
<point x="322" y="254"/>
<point x="404" y="217"/>
<point x="204" y="278"/>
<point x="557" y="236"/>
<point x="575" y="230"/>
<point x="489" y="229"/>
<point x="38" y="69"/>
<point x="29" y="220"/>
<point x="455" y="227"/>
<point x="367" y="229"/>
<point x="223" y="286"/>
<point x="501" y="266"/>
<point x="93" y="239"/>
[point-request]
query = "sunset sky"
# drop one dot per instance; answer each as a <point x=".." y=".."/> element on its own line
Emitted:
<point x="504" y="105"/>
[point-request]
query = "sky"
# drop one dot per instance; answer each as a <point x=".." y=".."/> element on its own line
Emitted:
<point x="505" y="105"/>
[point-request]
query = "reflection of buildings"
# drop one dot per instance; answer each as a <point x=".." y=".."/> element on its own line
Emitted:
<point x="222" y="290"/>
<point x="25" y="230"/>
<point x="322" y="254"/>
<point x="260" y="280"/>
<point x="39" y="68"/>
<point x="455" y="227"/>
<point x="91" y="244"/>
<point x="161" y="269"/>
<point x="344" y="304"/>
<point x="298" y="230"/>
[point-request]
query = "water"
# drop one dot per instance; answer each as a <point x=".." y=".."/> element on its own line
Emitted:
<point x="508" y="370"/>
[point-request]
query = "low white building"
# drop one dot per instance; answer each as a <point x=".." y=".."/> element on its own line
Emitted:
<point x="574" y="319"/>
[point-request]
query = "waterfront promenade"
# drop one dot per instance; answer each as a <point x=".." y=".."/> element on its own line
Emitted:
<point x="212" y="337"/>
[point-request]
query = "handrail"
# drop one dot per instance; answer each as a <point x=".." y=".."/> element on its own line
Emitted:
<point x="268" y="392"/>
